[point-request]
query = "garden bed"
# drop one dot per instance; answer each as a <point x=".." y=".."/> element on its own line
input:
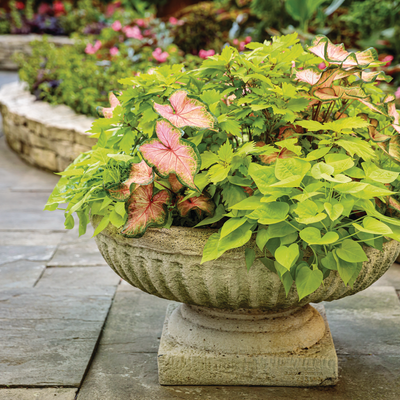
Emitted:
<point x="11" y="44"/>
<point x="45" y="136"/>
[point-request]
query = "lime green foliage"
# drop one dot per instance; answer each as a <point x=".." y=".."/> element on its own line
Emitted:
<point x="313" y="179"/>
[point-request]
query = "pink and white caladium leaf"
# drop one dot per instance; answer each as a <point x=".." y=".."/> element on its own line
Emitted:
<point x="339" y="92"/>
<point x="145" y="210"/>
<point x="176" y="186"/>
<point x="337" y="54"/>
<point x="394" y="147"/>
<point x="309" y="76"/>
<point x="184" y="111"/>
<point x="107" y="112"/>
<point x="394" y="205"/>
<point x="200" y="204"/>
<point x="140" y="174"/>
<point x="170" y="154"/>
<point x="373" y="76"/>
<point x="394" y="114"/>
<point x="320" y="79"/>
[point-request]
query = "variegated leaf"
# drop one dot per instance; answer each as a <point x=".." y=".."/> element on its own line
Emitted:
<point x="108" y="111"/>
<point x="337" y="54"/>
<point x="308" y="76"/>
<point x="140" y="174"/>
<point x="185" y="112"/>
<point x="376" y="136"/>
<point x="170" y="154"/>
<point x="145" y="210"/>
<point x="176" y="186"/>
<point x="339" y="92"/>
<point x="394" y="147"/>
<point x="373" y="76"/>
<point x="394" y="114"/>
<point x="201" y="204"/>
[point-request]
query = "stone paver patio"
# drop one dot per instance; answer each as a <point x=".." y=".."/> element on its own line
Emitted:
<point x="71" y="330"/>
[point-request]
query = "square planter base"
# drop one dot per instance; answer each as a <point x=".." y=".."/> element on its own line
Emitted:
<point x="180" y="364"/>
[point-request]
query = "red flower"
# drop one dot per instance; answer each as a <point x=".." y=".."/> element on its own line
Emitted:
<point x="58" y="8"/>
<point x="20" y="5"/>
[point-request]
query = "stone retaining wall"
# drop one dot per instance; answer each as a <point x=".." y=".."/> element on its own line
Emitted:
<point x="10" y="44"/>
<point x="46" y="136"/>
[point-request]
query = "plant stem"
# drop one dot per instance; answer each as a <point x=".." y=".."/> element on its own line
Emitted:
<point x="347" y="106"/>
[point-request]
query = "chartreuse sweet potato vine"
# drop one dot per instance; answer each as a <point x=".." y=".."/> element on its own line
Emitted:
<point x="261" y="143"/>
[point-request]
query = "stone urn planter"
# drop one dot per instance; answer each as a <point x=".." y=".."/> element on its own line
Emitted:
<point x="234" y="327"/>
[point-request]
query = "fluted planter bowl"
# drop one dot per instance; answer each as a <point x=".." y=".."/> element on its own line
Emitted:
<point x="236" y="327"/>
<point x="166" y="263"/>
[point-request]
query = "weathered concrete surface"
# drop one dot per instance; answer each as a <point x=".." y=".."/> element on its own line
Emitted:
<point x="125" y="368"/>
<point x="21" y="211"/>
<point x="28" y="253"/>
<point x="48" y="335"/>
<point x="37" y="394"/>
<point x="44" y="135"/>
<point x="11" y="44"/>
<point x="391" y="278"/>
<point x="78" y="277"/>
<point x="48" y="332"/>
<point x="368" y="323"/>
<point x="135" y="319"/>
<point x="76" y="251"/>
<point x="24" y="238"/>
<point x="20" y="274"/>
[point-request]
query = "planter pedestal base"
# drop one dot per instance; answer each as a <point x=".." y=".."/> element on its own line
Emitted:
<point x="204" y="346"/>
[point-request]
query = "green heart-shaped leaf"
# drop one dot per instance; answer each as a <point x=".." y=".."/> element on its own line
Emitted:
<point x="351" y="252"/>
<point x="372" y="225"/>
<point x="321" y="168"/>
<point x="334" y="211"/>
<point x="287" y="256"/>
<point x="270" y="213"/>
<point x="308" y="281"/>
<point x="313" y="236"/>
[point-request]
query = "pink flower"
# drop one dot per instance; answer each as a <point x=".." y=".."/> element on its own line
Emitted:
<point x="242" y="46"/>
<point x="132" y="32"/>
<point x="116" y="26"/>
<point x="397" y="93"/>
<point x="388" y="60"/>
<point x="174" y="21"/>
<point x="293" y="64"/>
<point x="206" y="53"/>
<point x="140" y="22"/>
<point x="110" y="10"/>
<point x="159" y="55"/>
<point x="248" y="39"/>
<point x="44" y="8"/>
<point x="114" y="51"/>
<point x="90" y="49"/>
<point x="321" y="65"/>
<point x="235" y="42"/>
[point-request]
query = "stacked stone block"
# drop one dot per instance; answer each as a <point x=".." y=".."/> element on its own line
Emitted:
<point x="47" y="136"/>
